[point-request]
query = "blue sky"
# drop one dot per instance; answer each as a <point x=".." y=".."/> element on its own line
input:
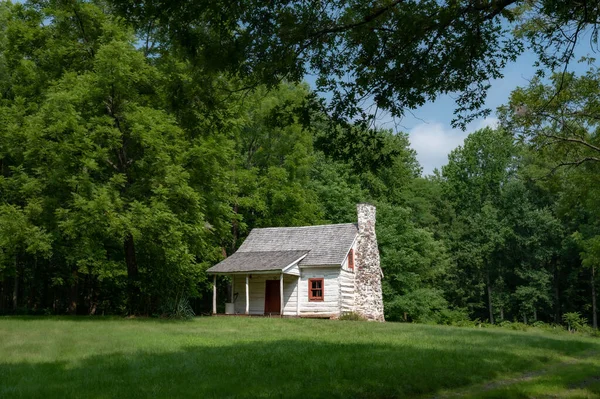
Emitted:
<point x="429" y="127"/>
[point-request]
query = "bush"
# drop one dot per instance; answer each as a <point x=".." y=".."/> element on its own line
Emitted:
<point x="177" y="308"/>
<point x="352" y="316"/>
<point x="513" y="325"/>
<point x="589" y="330"/>
<point x="470" y="323"/>
<point x="548" y="327"/>
<point x="574" y="321"/>
<point x="454" y="317"/>
<point x="421" y="305"/>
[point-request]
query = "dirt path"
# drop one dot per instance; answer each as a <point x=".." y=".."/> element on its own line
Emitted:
<point x="528" y="376"/>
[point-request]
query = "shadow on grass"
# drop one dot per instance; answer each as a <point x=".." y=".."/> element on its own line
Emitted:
<point x="510" y="339"/>
<point x="282" y="368"/>
<point x="580" y="380"/>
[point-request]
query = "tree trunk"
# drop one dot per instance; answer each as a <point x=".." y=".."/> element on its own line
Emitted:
<point x="502" y="314"/>
<point x="489" y="292"/>
<point x="15" y="295"/>
<point x="534" y="314"/>
<point x="594" y="309"/>
<point x="234" y="230"/>
<point x="524" y="318"/>
<point x="3" y="290"/>
<point x="93" y="303"/>
<point x="54" y="300"/>
<point x="93" y="297"/>
<point x="73" y="292"/>
<point x="556" y="293"/>
<point x="133" y="287"/>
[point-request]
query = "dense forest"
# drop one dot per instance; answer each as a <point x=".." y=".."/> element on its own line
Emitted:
<point x="138" y="147"/>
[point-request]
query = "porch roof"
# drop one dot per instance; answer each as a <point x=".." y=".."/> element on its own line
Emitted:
<point x="242" y="262"/>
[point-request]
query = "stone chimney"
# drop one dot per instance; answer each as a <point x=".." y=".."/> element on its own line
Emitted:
<point x="368" y="298"/>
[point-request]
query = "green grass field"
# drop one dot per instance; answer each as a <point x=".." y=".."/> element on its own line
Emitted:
<point x="291" y="358"/>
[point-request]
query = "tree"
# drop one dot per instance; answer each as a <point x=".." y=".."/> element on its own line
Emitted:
<point x="397" y="54"/>
<point x="590" y="257"/>
<point x="414" y="264"/>
<point x="477" y="170"/>
<point x="558" y="122"/>
<point x="19" y="237"/>
<point x="558" y="119"/>
<point x="105" y="168"/>
<point x="532" y="241"/>
<point x="473" y="180"/>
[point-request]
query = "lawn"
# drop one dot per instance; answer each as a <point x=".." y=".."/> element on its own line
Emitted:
<point x="262" y="357"/>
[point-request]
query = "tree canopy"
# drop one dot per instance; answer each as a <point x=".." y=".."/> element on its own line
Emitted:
<point x="140" y="143"/>
<point x="395" y="54"/>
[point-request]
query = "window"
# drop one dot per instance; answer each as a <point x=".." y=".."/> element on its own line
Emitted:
<point x="351" y="259"/>
<point x="315" y="289"/>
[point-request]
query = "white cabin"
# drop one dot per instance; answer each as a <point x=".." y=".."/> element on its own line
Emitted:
<point x="310" y="271"/>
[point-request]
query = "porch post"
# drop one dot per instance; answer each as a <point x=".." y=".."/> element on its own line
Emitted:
<point x="215" y="294"/>
<point x="298" y="296"/>
<point x="247" y="297"/>
<point x="232" y="287"/>
<point x="281" y="295"/>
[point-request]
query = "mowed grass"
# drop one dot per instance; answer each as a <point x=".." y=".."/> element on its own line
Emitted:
<point x="289" y="358"/>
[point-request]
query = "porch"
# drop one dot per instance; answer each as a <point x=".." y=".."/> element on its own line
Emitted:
<point x="255" y="294"/>
<point x="262" y="282"/>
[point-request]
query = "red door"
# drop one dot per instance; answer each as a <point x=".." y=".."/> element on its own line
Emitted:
<point x="272" y="297"/>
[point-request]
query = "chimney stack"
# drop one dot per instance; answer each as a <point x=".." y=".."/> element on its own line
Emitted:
<point x="368" y="299"/>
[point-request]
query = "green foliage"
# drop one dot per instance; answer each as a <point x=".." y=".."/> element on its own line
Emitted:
<point x="574" y="321"/>
<point x="421" y="304"/>
<point x="413" y="262"/>
<point x="455" y="317"/>
<point x="513" y="325"/>
<point x="397" y="54"/>
<point x="177" y="308"/>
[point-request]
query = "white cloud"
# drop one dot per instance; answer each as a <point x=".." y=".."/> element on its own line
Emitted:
<point x="490" y="121"/>
<point x="433" y="141"/>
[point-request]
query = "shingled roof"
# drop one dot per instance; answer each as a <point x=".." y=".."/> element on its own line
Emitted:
<point x="272" y="248"/>
<point x="257" y="261"/>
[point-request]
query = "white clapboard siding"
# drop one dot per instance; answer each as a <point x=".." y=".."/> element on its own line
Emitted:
<point x="347" y="284"/>
<point x="347" y="289"/>
<point x="294" y="270"/>
<point x="290" y="295"/>
<point x="331" y="291"/>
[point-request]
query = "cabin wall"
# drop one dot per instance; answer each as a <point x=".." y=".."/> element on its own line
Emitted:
<point x="348" y="284"/>
<point x="347" y="289"/>
<point x="290" y="295"/>
<point x="330" y="306"/>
